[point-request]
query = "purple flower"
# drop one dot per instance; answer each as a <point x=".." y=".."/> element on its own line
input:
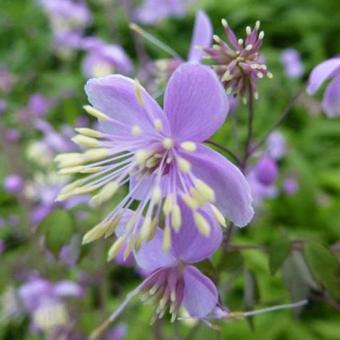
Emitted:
<point x="292" y="64"/>
<point x="43" y="300"/>
<point x="103" y="59"/>
<point x="117" y="333"/>
<point x="173" y="280"/>
<point x="276" y="145"/>
<point x="239" y="62"/>
<point x="38" y="105"/>
<point x="266" y="171"/>
<point x="7" y="80"/>
<point x="12" y="135"/>
<point x="322" y="72"/>
<point x="13" y="184"/>
<point x="3" y="106"/>
<point x="159" y="153"/>
<point x="290" y="185"/>
<point x="154" y="11"/>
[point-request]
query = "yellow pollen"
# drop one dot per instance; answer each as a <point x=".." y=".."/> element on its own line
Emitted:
<point x="167" y="239"/>
<point x="168" y="205"/>
<point x="205" y="190"/>
<point x="224" y="23"/>
<point x="190" y="201"/>
<point x="202" y="224"/>
<point x="183" y="164"/>
<point x="157" y="194"/>
<point x="136" y="131"/>
<point x="111" y="225"/>
<point x="176" y="218"/>
<point x="71" y="170"/>
<point x="142" y="156"/>
<point x="104" y="194"/>
<point x="94" y="234"/>
<point x="96" y="113"/>
<point x="96" y="154"/>
<point x="158" y="125"/>
<point x="189" y="146"/>
<point x="167" y="143"/>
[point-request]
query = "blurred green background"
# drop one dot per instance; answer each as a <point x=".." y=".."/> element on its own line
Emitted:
<point x="313" y="213"/>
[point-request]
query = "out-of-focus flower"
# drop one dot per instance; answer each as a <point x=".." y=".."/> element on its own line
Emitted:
<point x="7" y="80"/>
<point x="322" y="72"/>
<point x="201" y="38"/>
<point x="266" y="171"/>
<point x="117" y="333"/>
<point x="173" y="280"/>
<point x="239" y="62"/>
<point x="290" y="185"/>
<point x="68" y="19"/>
<point x="160" y="153"/>
<point x="12" y="135"/>
<point x="13" y="183"/>
<point x="43" y="300"/>
<point x="103" y="59"/>
<point x="69" y="253"/>
<point x="276" y="145"/>
<point x="292" y="63"/>
<point x="154" y="11"/>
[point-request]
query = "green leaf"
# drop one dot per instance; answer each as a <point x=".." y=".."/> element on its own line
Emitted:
<point x="278" y="252"/>
<point x="57" y="228"/>
<point x="324" y="266"/>
<point x="231" y="261"/>
<point x="250" y="293"/>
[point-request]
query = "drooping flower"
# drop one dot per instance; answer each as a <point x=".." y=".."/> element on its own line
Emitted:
<point x="103" y="59"/>
<point x="43" y="300"/>
<point x="276" y="145"/>
<point x="159" y="153"/>
<point x="173" y="281"/>
<point x="292" y="63"/>
<point x="239" y="62"/>
<point x="322" y="72"/>
<point x="154" y="11"/>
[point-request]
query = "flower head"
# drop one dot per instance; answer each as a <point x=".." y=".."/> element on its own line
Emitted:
<point x="173" y="281"/>
<point x="322" y="72"/>
<point x="159" y="153"/>
<point x="239" y="62"/>
<point x="13" y="183"/>
<point x="291" y="61"/>
<point x="103" y="59"/>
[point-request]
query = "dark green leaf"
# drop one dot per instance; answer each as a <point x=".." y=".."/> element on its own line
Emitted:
<point x="279" y="251"/>
<point x="324" y="266"/>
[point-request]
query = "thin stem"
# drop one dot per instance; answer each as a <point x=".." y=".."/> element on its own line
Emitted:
<point x="224" y="149"/>
<point x="247" y="145"/>
<point x="281" y="118"/>
<point x="153" y="40"/>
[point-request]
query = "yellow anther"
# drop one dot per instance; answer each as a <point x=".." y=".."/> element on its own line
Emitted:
<point x="168" y="202"/>
<point x="183" y="164"/>
<point x="115" y="248"/>
<point x="189" y="146"/>
<point x="190" y="201"/>
<point x="104" y="194"/>
<point x="139" y="93"/>
<point x="249" y="47"/>
<point x="167" y="239"/>
<point x="227" y="76"/>
<point x="261" y="35"/>
<point x="96" y="113"/>
<point x="69" y="159"/>
<point x="74" y="192"/>
<point x="145" y="229"/>
<point x="218" y="215"/>
<point x="217" y="38"/>
<point x="85" y="141"/>
<point x="71" y="170"/>
<point x="167" y="143"/>
<point x="136" y="130"/>
<point x="142" y="156"/>
<point x="92" y="170"/>
<point x="96" y="154"/>
<point x="224" y="23"/>
<point x="240" y="41"/>
<point x="202" y="224"/>
<point x="157" y="194"/>
<point x="158" y="125"/>
<point x="111" y="225"/>
<point x="94" y="234"/>
<point x="176" y="218"/>
<point x="129" y="248"/>
<point x="205" y="190"/>
<point x="248" y="30"/>
<point x="71" y="187"/>
<point x="89" y="132"/>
